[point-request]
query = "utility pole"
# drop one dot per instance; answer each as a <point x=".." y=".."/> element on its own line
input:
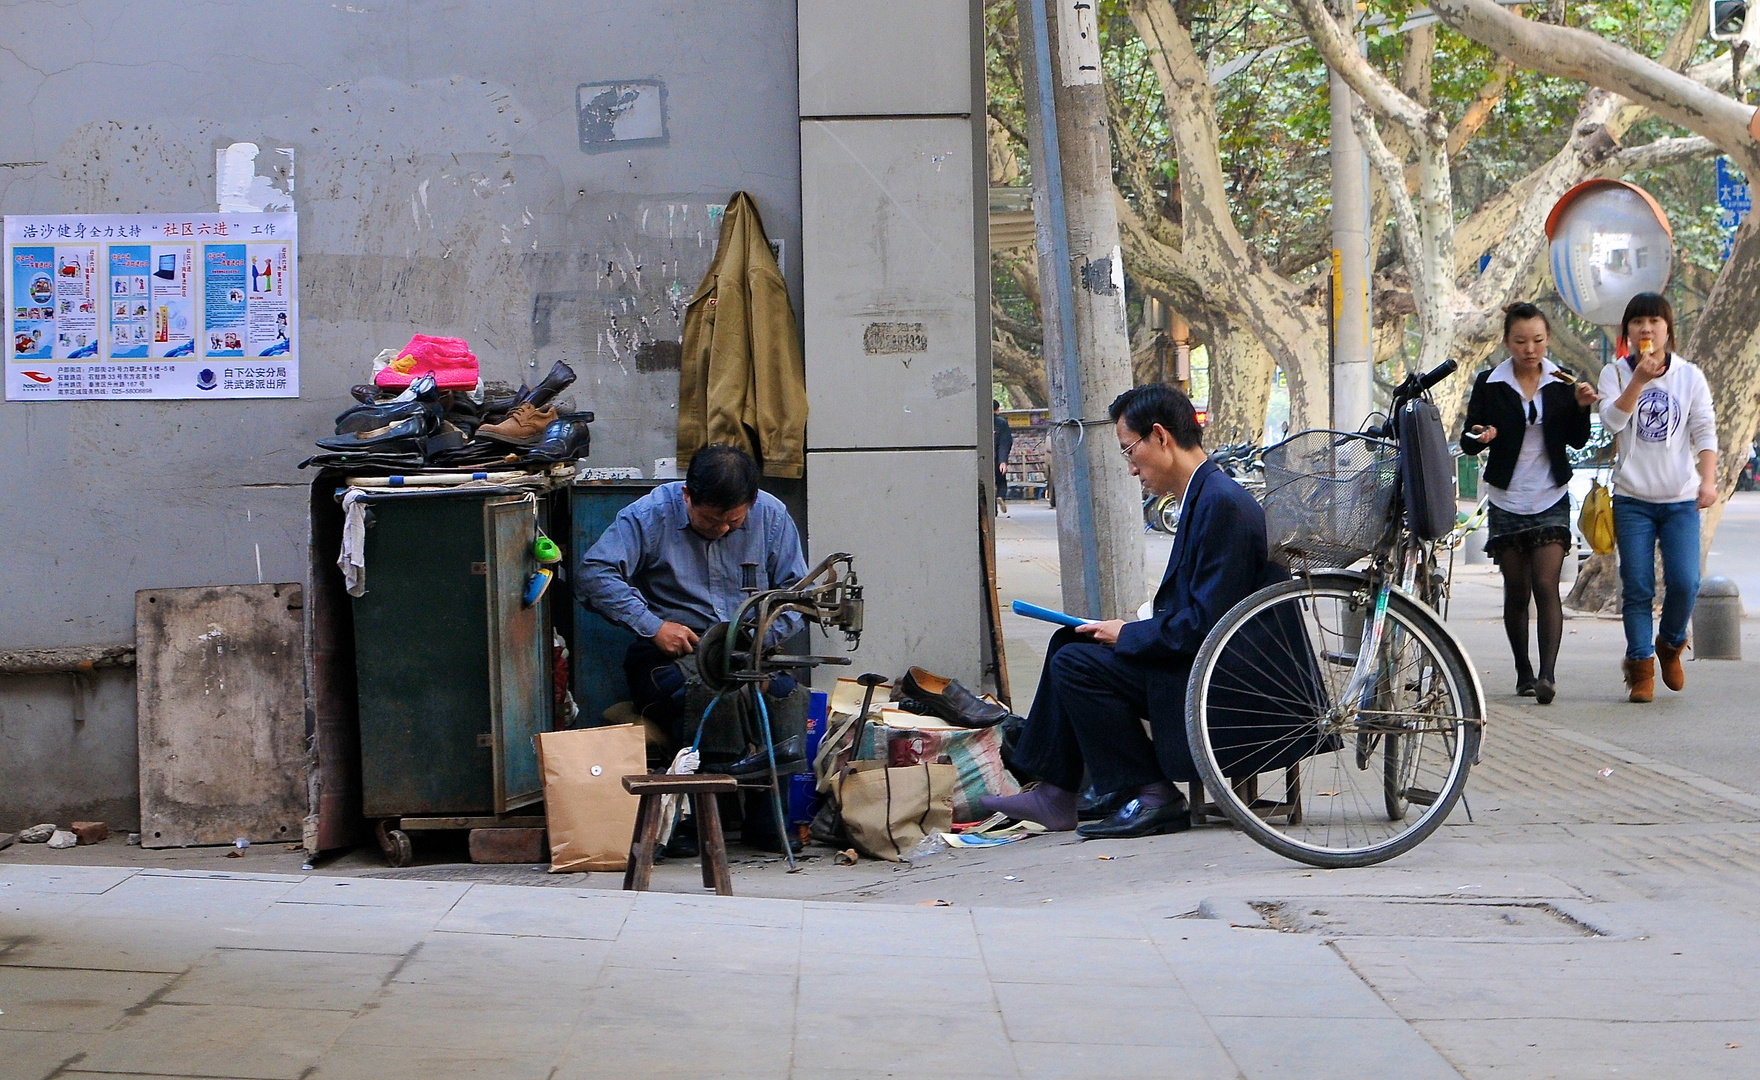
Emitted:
<point x="1081" y="275"/>
<point x="1353" y="347"/>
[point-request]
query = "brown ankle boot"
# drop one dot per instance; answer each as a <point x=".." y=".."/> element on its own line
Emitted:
<point x="1668" y="658"/>
<point x="1641" y="679"/>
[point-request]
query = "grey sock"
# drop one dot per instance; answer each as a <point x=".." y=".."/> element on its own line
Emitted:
<point x="1047" y="804"/>
<point x="1160" y="793"/>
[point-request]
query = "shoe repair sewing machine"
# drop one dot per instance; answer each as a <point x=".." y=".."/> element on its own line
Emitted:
<point x="736" y="659"/>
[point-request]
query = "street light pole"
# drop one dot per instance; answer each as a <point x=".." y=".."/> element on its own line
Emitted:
<point x="1352" y="345"/>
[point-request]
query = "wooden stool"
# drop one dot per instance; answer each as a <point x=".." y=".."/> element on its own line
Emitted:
<point x="701" y="790"/>
<point x="1247" y="787"/>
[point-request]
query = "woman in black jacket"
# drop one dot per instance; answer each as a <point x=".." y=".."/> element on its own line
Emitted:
<point x="1528" y="412"/>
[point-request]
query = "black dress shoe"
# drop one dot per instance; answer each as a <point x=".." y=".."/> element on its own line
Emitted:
<point x="421" y="397"/>
<point x="565" y="439"/>
<point x="1134" y="819"/>
<point x="949" y="700"/>
<point x="401" y="436"/>
<point x="791" y="758"/>
<point x="365" y="393"/>
<point x="1095" y="806"/>
<point x="561" y="376"/>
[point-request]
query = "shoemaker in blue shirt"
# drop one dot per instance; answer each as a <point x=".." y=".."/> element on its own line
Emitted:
<point x="669" y="567"/>
<point x="1101" y="679"/>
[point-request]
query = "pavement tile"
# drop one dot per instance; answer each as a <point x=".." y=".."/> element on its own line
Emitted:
<point x="1275" y="990"/>
<point x="364" y="1061"/>
<point x="846" y="928"/>
<point x="404" y="1015"/>
<point x="867" y="1025"/>
<point x="334" y="928"/>
<point x="94" y="941"/>
<point x="531" y="912"/>
<point x="217" y="1040"/>
<point x="90" y="880"/>
<point x="759" y="950"/>
<point x="1131" y="1016"/>
<point x="35" y="1055"/>
<point x="462" y="960"/>
<point x="57" y="999"/>
<point x="168" y="894"/>
<point x="657" y="909"/>
<point x="271" y="978"/>
<point x="408" y="896"/>
<point x="1200" y="1057"/>
<point x="1022" y="957"/>
<point x="827" y="958"/>
<point x="678" y="1023"/>
<point x="1037" y="922"/>
<point x="1547" y="1047"/>
<point x="1319" y="1048"/>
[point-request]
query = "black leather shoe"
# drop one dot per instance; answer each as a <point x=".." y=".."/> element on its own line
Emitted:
<point x="1096" y="807"/>
<point x="560" y="378"/>
<point x="400" y="436"/>
<point x="791" y="758"/>
<point x="949" y="700"/>
<point x="565" y="439"/>
<point x="421" y="397"/>
<point x="1134" y="819"/>
<point x="365" y="393"/>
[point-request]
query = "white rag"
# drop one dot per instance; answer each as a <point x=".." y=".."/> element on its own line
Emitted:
<point x="353" y="557"/>
<point x="672" y="807"/>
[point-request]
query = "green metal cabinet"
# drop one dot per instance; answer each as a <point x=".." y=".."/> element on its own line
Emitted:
<point x="453" y="670"/>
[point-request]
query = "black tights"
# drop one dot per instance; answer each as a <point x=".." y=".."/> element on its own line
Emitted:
<point x="1533" y="573"/>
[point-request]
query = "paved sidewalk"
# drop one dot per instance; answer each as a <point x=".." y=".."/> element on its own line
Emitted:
<point x="158" y="973"/>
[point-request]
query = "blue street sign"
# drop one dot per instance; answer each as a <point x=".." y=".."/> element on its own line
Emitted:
<point x="1734" y="201"/>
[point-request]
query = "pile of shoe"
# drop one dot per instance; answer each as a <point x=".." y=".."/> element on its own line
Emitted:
<point x="427" y="426"/>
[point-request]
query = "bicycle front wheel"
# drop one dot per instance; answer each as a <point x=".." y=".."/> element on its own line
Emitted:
<point x="1367" y="768"/>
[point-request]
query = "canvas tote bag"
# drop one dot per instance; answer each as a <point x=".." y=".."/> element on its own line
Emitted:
<point x="888" y="811"/>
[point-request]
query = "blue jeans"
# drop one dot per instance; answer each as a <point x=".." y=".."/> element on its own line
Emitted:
<point x="1639" y="527"/>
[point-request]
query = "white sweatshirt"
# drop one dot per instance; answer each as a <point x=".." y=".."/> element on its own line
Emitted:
<point x="1659" y="443"/>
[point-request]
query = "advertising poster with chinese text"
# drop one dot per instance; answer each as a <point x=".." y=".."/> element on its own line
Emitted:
<point x="151" y="306"/>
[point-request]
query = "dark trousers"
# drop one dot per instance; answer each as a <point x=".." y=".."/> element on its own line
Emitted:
<point x="659" y="687"/>
<point x="1087" y="713"/>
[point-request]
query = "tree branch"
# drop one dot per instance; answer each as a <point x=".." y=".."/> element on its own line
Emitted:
<point x="1484" y="101"/>
<point x="1570" y="53"/>
<point x="1661" y="154"/>
<point x="1393" y="182"/>
<point x="1340" y="53"/>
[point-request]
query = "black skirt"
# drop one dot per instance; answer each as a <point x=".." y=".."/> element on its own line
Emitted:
<point x="1525" y="532"/>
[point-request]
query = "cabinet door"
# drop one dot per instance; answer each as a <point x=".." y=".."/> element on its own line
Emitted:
<point x="519" y="652"/>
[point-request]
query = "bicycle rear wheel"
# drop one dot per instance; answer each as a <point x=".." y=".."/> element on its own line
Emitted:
<point x="1363" y="780"/>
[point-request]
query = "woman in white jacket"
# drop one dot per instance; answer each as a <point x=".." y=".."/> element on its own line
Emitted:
<point x="1659" y="408"/>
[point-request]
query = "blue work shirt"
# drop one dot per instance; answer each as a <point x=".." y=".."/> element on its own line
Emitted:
<point x="650" y="567"/>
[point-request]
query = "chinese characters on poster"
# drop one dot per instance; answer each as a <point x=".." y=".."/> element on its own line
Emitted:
<point x="151" y="306"/>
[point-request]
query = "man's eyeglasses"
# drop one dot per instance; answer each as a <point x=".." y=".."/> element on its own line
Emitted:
<point x="1127" y="450"/>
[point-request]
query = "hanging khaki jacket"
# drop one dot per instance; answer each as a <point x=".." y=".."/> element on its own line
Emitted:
<point x="742" y="379"/>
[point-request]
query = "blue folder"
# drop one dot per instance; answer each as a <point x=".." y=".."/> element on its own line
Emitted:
<point x="1034" y="611"/>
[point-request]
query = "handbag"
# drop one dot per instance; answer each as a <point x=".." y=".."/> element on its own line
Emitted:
<point x="888" y="811"/>
<point x="1595" y="520"/>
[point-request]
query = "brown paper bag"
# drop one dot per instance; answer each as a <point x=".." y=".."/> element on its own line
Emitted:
<point x="589" y="815"/>
<point x="889" y="811"/>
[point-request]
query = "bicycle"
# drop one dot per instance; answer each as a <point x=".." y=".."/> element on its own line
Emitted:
<point x="1345" y="681"/>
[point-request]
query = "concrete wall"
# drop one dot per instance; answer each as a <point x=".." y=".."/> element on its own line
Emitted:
<point x="442" y="187"/>
<point x="893" y="194"/>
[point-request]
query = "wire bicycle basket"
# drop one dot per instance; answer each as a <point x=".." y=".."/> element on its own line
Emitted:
<point x="1327" y="497"/>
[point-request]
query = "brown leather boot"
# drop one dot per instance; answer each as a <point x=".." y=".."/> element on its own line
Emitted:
<point x="1641" y="679"/>
<point x="1668" y="658"/>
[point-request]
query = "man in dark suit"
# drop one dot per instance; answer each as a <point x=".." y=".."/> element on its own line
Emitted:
<point x="1101" y="678"/>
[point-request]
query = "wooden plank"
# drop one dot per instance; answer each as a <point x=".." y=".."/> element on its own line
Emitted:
<point x="221" y="705"/>
<point x="441" y="824"/>
<point x="519" y="653"/>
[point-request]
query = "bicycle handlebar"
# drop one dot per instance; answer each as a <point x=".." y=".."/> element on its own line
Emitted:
<point x="1414" y="385"/>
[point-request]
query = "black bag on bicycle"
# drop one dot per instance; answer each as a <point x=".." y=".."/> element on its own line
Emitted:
<point x="1427" y="470"/>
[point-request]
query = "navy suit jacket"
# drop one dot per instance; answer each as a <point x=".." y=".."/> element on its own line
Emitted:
<point x="1220" y="556"/>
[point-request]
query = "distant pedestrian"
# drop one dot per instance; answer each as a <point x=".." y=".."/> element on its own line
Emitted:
<point x="1004" y="446"/>
<point x="1528" y="413"/>
<point x="1665" y="471"/>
